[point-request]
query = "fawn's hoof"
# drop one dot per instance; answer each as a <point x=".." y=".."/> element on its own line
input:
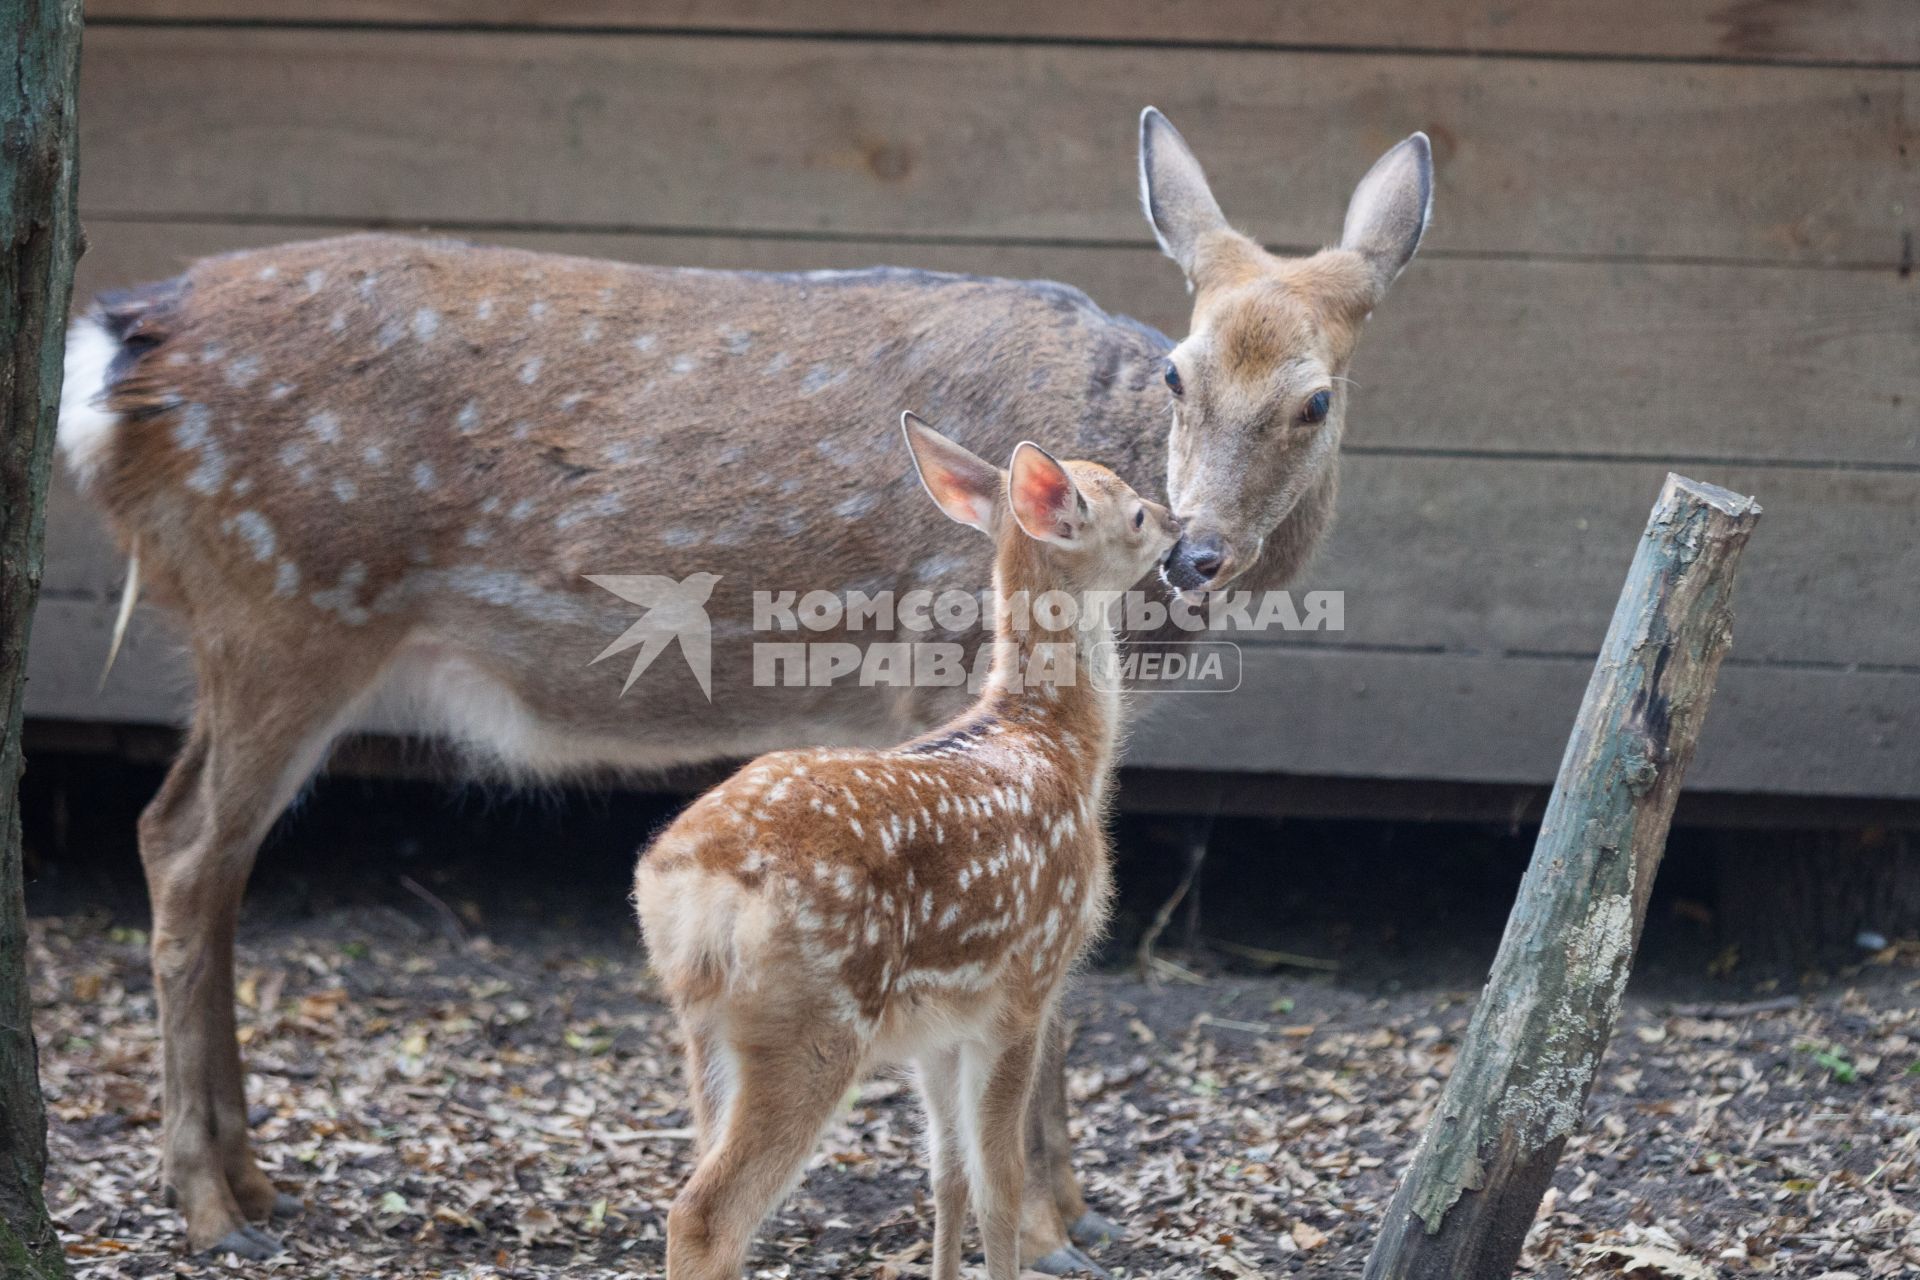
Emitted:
<point x="250" y="1243"/>
<point x="1092" y="1231"/>
<point x="1066" y="1260"/>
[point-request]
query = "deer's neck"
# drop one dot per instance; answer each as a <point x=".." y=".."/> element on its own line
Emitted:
<point x="1043" y="676"/>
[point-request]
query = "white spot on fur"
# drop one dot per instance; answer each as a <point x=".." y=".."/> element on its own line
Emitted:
<point x="857" y="505"/>
<point x="683" y="364"/>
<point x="316" y="279"/>
<point x="467" y="421"/>
<point x="344" y="598"/>
<point x="242" y="371"/>
<point x="325" y="427"/>
<point x="374" y="454"/>
<point x="194" y="432"/>
<point x="645" y="342"/>
<point x="426" y="323"/>
<point x="286" y="579"/>
<point x="423" y="477"/>
<point x="530" y="371"/>
<point x="255" y="531"/>
<point x="345" y="490"/>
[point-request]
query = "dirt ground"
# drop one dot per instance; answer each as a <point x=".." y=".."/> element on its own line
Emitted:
<point x="456" y="1062"/>
<point x="449" y="1110"/>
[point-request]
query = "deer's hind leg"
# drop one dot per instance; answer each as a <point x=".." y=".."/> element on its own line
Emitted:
<point x="793" y="1068"/>
<point x="257" y="736"/>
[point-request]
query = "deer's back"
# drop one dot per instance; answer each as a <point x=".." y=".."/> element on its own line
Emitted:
<point x="428" y="447"/>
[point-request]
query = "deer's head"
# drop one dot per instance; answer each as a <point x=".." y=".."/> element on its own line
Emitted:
<point x="1258" y="387"/>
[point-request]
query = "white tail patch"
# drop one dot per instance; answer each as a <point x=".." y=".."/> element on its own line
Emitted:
<point x="86" y="426"/>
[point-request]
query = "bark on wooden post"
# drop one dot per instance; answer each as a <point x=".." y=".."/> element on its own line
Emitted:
<point x="1533" y="1047"/>
<point x="40" y="238"/>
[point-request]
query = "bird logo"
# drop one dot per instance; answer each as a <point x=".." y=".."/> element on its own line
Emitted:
<point x="674" y="611"/>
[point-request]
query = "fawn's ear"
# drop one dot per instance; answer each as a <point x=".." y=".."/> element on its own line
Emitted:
<point x="1390" y="208"/>
<point x="1044" y="499"/>
<point x="1173" y="190"/>
<point x="960" y="484"/>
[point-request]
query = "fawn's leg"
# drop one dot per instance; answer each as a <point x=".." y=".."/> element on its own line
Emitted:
<point x="948" y="1147"/>
<point x="1054" y="1219"/>
<point x="791" y="1077"/>
<point x="252" y="747"/>
<point x="711" y="1077"/>
<point x="997" y="1079"/>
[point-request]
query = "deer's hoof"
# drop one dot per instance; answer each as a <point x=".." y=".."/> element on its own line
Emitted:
<point x="1068" y="1260"/>
<point x="1093" y="1231"/>
<point x="286" y="1206"/>
<point x="250" y="1243"/>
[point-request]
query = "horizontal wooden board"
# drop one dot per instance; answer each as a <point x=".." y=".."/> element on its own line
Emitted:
<point x="1827" y="30"/>
<point x="1617" y="360"/>
<point x="924" y="138"/>
<point x="1426" y="716"/>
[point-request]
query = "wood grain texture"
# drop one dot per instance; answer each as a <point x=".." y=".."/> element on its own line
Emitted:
<point x="1358" y="714"/>
<point x="989" y="141"/>
<point x="1574" y="358"/>
<point x="1528" y="1060"/>
<point x="1826" y="30"/>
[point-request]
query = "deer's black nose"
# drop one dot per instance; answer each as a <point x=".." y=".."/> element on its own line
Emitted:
<point x="1194" y="561"/>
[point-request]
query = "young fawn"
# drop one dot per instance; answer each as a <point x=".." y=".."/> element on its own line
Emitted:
<point x="823" y="912"/>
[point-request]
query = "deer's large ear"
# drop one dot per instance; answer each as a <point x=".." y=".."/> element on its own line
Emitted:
<point x="960" y="484"/>
<point x="1044" y="498"/>
<point x="1174" y="192"/>
<point x="1390" y="208"/>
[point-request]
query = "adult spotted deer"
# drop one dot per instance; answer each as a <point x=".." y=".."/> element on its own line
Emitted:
<point x="826" y="911"/>
<point x="372" y="475"/>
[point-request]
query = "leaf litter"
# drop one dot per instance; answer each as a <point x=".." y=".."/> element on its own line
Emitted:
<point x="450" y="1107"/>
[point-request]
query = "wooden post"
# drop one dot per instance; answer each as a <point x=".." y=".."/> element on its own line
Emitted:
<point x="40" y="236"/>
<point x="1533" y="1047"/>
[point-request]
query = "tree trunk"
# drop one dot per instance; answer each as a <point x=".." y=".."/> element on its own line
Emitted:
<point x="40" y="234"/>
<point x="1534" y="1045"/>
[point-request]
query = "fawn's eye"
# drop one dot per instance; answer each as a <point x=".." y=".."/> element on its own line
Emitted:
<point x="1174" y="384"/>
<point x="1316" y="408"/>
<point x="1139" y="516"/>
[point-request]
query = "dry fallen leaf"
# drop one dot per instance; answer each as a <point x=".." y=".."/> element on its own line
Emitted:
<point x="1661" y="1261"/>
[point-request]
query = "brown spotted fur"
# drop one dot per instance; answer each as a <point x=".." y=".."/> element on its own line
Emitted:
<point x="824" y="911"/>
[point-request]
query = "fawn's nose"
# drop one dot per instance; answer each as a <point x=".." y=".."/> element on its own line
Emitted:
<point x="1196" y="560"/>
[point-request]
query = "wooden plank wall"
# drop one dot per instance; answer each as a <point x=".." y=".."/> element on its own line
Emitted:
<point x="1668" y="235"/>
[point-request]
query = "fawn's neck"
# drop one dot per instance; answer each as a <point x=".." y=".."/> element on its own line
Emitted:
<point x="1043" y="674"/>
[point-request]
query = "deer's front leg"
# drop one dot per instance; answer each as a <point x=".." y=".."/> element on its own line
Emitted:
<point x="1054" y="1218"/>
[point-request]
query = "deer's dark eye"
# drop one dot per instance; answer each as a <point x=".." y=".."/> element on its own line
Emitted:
<point x="1174" y="384"/>
<point x="1139" y="516"/>
<point x="1317" y="405"/>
